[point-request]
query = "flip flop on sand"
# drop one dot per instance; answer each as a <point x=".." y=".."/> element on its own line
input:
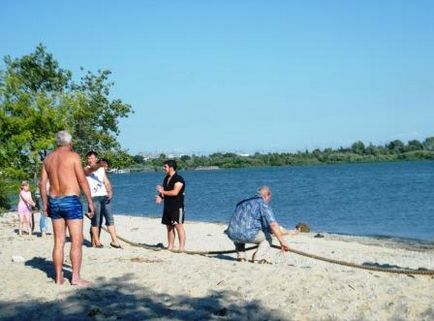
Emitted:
<point x="116" y="246"/>
<point x="264" y="261"/>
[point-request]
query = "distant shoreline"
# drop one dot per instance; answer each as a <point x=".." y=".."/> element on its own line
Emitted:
<point x="204" y="168"/>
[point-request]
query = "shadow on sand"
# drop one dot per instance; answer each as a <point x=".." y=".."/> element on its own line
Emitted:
<point x="122" y="299"/>
<point x="46" y="266"/>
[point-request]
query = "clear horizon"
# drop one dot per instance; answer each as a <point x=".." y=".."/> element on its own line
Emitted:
<point x="245" y="76"/>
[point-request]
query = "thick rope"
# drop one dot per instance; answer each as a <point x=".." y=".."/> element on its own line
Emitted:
<point x="420" y="271"/>
<point x="160" y="247"/>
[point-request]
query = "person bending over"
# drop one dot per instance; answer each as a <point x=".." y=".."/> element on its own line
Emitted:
<point x="253" y="222"/>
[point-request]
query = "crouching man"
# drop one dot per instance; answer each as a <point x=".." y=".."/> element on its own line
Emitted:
<point x="253" y="222"/>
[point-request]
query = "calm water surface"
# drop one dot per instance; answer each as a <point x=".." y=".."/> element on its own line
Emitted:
<point x="372" y="199"/>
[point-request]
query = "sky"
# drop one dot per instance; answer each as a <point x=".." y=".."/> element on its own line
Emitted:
<point x="245" y="75"/>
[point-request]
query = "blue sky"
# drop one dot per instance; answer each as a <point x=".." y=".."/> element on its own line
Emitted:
<point x="245" y="76"/>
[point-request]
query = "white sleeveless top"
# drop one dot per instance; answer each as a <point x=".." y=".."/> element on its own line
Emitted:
<point x="96" y="183"/>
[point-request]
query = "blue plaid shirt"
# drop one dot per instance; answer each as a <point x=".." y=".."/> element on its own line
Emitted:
<point x="251" y="216"/>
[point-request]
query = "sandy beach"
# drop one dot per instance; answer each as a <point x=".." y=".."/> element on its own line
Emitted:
<point x="134" y="283"/>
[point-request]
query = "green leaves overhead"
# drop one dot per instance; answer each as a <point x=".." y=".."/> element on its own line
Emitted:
<point x="38" y="98"/>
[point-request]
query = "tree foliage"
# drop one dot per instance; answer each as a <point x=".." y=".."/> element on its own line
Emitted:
<point x="358" y="152"/>
<point x="94" y="118"/>
<point x="38" y="98"/>
<point x="428" y="144"/>
<point x="4" y="200"/>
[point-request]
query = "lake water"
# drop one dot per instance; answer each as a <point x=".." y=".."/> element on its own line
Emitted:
<point x="371" y="199"/>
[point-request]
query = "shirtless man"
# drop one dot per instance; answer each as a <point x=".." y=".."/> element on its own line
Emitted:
<point x="63" y="170"/>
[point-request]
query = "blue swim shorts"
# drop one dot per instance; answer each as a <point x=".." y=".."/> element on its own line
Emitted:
<point x="65" y="207"/>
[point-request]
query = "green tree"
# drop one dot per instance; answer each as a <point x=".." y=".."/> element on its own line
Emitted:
<point x="185" y="158"/>
<point x="118" y="159"/>
<point x="38" y="98"/>
<point x="4" y="199"/>
<point x="32" y="94"/>
<point x="93" y="117"/>
<point x="358" y="148"/>
<point x="428" y="144"/>
<point x="138" y="159"/>
<point x="396" y="146"/>
<point x="414" y="145"/>
<point x="371" y="150"/>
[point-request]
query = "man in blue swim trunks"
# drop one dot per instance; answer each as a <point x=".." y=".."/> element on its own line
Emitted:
<point x="62" y="169"/>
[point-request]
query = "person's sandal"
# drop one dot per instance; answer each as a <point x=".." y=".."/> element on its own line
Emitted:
<point x="240" y="259"/>
<point x="116" y="246"/>
<point x="264" y="261"/>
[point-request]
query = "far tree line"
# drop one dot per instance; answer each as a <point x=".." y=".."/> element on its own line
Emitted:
<point x="358" y="152"/>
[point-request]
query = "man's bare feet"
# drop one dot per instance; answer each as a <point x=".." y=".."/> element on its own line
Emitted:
<point x="60" y="281"/>
<point x="80" y="282"/>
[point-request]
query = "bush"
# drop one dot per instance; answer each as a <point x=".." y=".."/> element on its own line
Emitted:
<point x="4" y="196"/>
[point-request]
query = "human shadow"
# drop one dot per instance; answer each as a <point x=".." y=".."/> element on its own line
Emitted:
<point x="122" y="299"/>
<point x="87" y="243"/>
<point x="46" y="266"/>
<point x="24" y="232"/>
<point x="223" y="257"/>
<point x="381" y="266"/>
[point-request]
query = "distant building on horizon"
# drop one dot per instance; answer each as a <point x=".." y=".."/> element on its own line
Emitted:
<point x="154" y="155"/>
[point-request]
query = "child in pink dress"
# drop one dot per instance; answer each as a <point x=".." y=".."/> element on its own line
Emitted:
<point x="25" y="205"/>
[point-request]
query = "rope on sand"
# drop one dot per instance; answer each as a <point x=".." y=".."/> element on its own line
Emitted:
<point x="159" y="247"/>
<point x="420" y="271"/>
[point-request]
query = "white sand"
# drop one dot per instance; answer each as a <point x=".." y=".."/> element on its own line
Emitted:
<point x="138" y="284"/>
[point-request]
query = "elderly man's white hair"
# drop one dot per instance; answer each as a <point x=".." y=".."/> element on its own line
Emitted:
<point x="63" y="138"/>
<point x="264" y="191"/>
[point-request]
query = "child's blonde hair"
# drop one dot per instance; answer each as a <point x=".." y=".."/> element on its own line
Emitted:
<point x="24" y="183"/>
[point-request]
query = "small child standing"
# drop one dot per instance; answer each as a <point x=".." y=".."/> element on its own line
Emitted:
<point x="25" y="205"/>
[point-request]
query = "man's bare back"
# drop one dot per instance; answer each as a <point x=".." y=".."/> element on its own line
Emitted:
<point x="63" y="169"/>
<point x="62" y="174"/>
